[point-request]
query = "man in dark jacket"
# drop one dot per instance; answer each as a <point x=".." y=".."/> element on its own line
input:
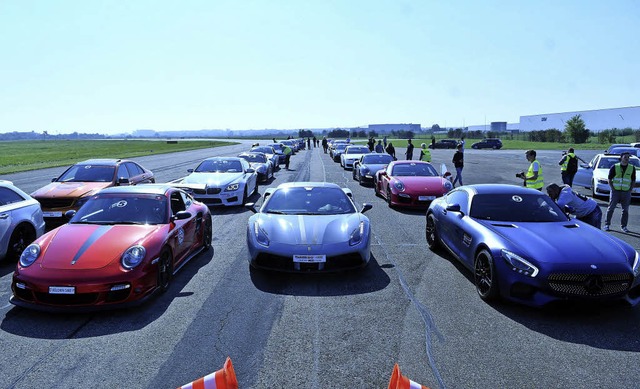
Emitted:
<point x="458" y="162"/>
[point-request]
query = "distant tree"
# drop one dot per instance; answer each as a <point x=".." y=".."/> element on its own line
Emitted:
<point x="435" y="128"/>
<point x="338" y="133"/>
<point x="373" y="134"/>
<point x="576" y="130"/>
<point x="362" y="134"/>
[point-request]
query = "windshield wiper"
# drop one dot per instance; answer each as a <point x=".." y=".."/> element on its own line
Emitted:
<point x="276" y="212"/>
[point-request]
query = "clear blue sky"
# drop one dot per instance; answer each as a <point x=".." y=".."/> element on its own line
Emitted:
<point x="117" y="66"/>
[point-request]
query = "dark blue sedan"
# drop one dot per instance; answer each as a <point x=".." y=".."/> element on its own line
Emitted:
<point x="365" y="168"/>
<point x="520" y="246"/>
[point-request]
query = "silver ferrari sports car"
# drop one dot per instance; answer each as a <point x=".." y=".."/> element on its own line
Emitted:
<point x="308" y="227"/>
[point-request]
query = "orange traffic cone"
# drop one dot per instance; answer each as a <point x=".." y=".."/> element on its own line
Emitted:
<point x="224" y="378"/>
<point x="398" y="381"/>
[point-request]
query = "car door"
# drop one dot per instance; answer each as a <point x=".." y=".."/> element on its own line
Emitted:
<point x="250" y="178"/>
<point x="453" y="231"/>
<point x="181" y="236"/>
<point x="584" y="175"/>
<point x="122" y="175"/>
<point x="8" y="200"/>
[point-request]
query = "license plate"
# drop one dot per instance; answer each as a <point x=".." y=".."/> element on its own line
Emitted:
<point x="309" y="258"/>
<point x="62" y="290"/>
<point x="52" y="214"/>
<point x="426" y="198"/>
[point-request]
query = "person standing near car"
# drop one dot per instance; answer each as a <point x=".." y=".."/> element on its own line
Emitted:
<point x="586" y="209"/>
<point x="533" y="178"/>
<point x="622" y="177"/>
<point x="462" y="143"/>
<point x="458" y="163"/>
<point x="391" y="150"/>
<point x="569" y="166"/>
<point x="409" y="153"/>
<point x="325" y="144"/>
<point x="287" y="156"/>
<point x="425" y="153"/>
<point x="379" y="147"/>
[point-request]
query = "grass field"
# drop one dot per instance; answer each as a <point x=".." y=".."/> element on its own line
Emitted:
<point x="21" y="156"/>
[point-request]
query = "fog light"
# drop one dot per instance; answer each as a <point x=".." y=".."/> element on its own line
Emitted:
<point x="21" y="285"/>
<point x="120" y="287"/>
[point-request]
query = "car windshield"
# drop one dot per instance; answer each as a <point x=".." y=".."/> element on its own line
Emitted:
<point x="341" y="146"/>
<point x="516" y="208"/>
<point x="309" y="201"/>
<point x="277" y="146"/>
<point x="607" y="162"/>
<point x="254" y="158"/>
<point x="122" y="209"/>
<point x="414" y="169"/>
<point x="219" y="166"/>
<point x="266" y="150"/>
<point x="88" y="173"/>
<point x="356" y="150"/>
<point x="377" y="159"/>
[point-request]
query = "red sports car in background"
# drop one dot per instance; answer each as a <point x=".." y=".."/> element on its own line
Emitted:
<point x="124" y="244"/>
<point x="410" y="183"/>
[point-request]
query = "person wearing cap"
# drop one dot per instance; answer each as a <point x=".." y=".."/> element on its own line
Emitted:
<point x="622" y="177"/>
<point x="425" y="153"/>
<point x="585" y="208"/>
<point x="569" y="166"/>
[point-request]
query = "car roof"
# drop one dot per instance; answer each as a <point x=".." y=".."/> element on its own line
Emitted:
<point x="102" y="161"/>
<point x="483" y="189"/>
<point x="223" y="159"/>
<point x="154" y="189"/>
<point x="306" y="184"/>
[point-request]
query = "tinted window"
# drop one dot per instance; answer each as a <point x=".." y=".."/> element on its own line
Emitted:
<point x="88" y="173"/>
<point x="516" y="208"/>
<point x="377" y="159"/>
<point x="7" y="196"/>
<point x="254" y="157"/>
<point x="357" y="150"/>
<point x="123" y="172"/>
<point x="220" y="166"/>
<point x="414" y="169"/>
<point x="134" y="169"/>
<point x="309" y="201"/>
<point x="123" y="209"/>
<point x="459" y="197"/>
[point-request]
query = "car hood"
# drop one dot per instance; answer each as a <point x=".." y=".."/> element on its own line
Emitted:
<point x="87" y="247"/>
<point x="70" y="189"/>
<point x="574" y="242"/>
<point x="212" y="179"/>
<point x="309" y="230"/>
<point x="420" y="183"/>
<point x="353" y="156"/>
<point x="374" y="167"/>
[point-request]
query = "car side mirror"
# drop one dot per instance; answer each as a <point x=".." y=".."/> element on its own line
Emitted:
<point x="251" y="170"/>
<point x="189" y="170"/>
<point x="251" y="207"/>
<point x="122" y="181"/>
<point x="453" y="208"/>
<point x="54" y="179"/>
<point x="181" y="215"/>
<point x="69" y="214"/>
<point x="366" y="207"/>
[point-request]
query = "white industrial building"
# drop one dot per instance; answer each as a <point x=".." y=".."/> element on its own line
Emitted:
<point x="595" y="120"/>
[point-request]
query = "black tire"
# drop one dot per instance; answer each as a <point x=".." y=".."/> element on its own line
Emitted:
<point x="245" y="196"/>
<point x="495" y="147"/>
<point x="21" y="237"/>
<point x="431" y="233"/>
<point x="165" y="270"/>
<point x="353" y="173"/>
<point x="360" y="179"/>
<point x="207" y="233"/>
<point x="389" y="198"/>
<point x="485" y="276"/>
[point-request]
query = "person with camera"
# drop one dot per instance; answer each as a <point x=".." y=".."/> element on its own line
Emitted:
<point x="533" y="178"/>
<point x="569" y="166"/>
<point x="584" y="208"/>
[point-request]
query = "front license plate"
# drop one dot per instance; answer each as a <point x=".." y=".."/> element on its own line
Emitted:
<point x="52" y="214"/>
<point x="426" y="198"/>
<point x="62" y="290"/>
<point x="310" y="258"/>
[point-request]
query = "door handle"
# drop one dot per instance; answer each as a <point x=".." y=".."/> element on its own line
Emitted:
<point x="4" y="216"/>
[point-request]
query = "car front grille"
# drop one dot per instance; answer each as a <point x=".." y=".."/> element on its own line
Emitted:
<point x="58" y="202"/>
<point x="67" y="299"/>
<point x="590" y="284"/>
<point x="213" y="191"/>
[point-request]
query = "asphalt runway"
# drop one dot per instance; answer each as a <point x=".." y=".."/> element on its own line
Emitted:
<point x="410" y="306"/>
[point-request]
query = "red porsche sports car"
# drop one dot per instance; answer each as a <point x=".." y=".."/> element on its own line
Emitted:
<point x="410" y="183"/>
<point x="121" y="246"/>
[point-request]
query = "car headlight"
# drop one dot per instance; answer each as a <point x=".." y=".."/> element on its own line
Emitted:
<point x="365" y="170"/>
<point x="31" y="253"/>
<point x="262" y="169"/>
<point x="447" y="185"/>
<point x="636" y="265"/>
<point x="232" y="187"/>
<point x="80" y="202"/>
<point x="357" y="235"/>
<point x="261" y="235"/>
<point x="519" y="264"/>
<point x="133" y="256"/>
<point x="399" y="185"/>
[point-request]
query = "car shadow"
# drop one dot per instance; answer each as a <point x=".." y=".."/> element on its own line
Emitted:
<point x="359" y="281"/>
<point x="53" y="325"/>
<point x="604" y="325"/>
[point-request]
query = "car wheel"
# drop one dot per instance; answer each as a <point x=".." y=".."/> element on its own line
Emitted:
<point x="245" y="196"/>
<point x="431" y="233"/>
<point x="353" y="173"/>
<point x="375" y="186"/>
<point x="207" y="234"/>
<point x="360" y="179"/>
<point x="485" y="276"/>
<point x="495" y="147"/>
<point x="165" y="270"/>
<point x="593" y="189"/>
<point x="21" y="237"/>
<point x="389" y="198"/>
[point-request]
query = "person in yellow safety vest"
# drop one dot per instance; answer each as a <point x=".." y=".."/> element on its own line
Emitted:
<point x="569" y="166"/>
<point x="622" y="178"/>
<point x="287" y="156"/>
<point x="425" y="153"/>
<point x="534" y="177"/>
